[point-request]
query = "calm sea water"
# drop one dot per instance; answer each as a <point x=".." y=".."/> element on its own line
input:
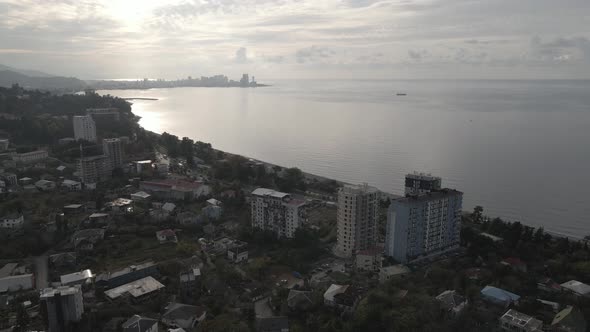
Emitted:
<point x="521" y="149"/>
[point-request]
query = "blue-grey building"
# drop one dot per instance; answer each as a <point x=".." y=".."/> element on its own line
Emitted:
<point x="129" y="274"/>
<point x="423" y="225"/>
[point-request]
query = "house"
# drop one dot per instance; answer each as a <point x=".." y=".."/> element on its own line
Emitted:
<point x="450" y="301"/>
<point x="71" y="185"/>
<point x="166" y="236"/>
<point x="127" y="275"/>
<point x="85" y="239"/>
<point x="213" y="202"/>
<point x="121" y="205"/>
<point x="64" y="259"/>
<point x="514" y="321"/>
<point x="45" y="185"/>
<point x="10" y="178"/>
<point x="12" y="221"/>
<point x="272" y="324"/>
<point x="577" y="288"/>
<point x="515" y="264"/>
<point x="238" y="253"/>
<point x="548" y="285"/>
<point x="212" y="211"/>
<point x="499" y="296"/>
<point x="342" y="297"/>
<point x="569" y="319"/>
<point x="83" y="277"/>
<point x="388" y="272"/>
<point x="13" y="279"/>
<point x="140" y="324"/>
<point x="190" y="282"/>
<point x="169" y="207"/>
<point x="72" y="209"/>
<point x="60" y="168"/>
<point x="188" y="218"/>
<point x="183" y="315"/>
<point x="140" y="196"/>
<point x="135" y="291"/>
<point x="98" y="218"/>
<point x="369" y="259"/>
<point x="25" y="181"/>
<point x="299" y="300"/>
<point x="175" y="189"/>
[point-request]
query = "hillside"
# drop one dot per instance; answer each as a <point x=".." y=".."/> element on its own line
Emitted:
<point x="9" y="77"/>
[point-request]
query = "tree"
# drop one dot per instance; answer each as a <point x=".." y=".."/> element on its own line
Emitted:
<point x="187" y="150"/>
<point x="477" y="214"/>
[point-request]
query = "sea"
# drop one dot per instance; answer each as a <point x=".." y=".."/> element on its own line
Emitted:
<point x="519" y="148"/>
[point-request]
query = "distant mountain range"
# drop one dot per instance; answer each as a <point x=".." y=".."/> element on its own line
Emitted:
<point x="33" y="79"/>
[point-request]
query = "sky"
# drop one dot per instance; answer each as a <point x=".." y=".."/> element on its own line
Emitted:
<point x="271" y="39"/>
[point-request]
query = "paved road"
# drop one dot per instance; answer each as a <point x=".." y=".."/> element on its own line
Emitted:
<point x="41" y="271"/>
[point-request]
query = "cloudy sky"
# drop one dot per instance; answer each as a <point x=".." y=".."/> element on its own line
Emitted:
<point x="299" y="38"/>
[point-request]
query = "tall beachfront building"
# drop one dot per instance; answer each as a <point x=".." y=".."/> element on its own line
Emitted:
<point x="423" y="225"/>
<point x="358" y="214"/>
<point x="113" y="148"/>
<point x="84" y="128"/>
<point x="277" y="212"/>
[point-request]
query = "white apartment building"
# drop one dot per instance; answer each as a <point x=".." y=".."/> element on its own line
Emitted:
<point x="94" y="169"/>
<point x="358" y="213"/>
<point x="31" y="157"/>
<point x="84" y="128"/>
<point x="113" y="149"/>
<point x="64" y="306"/>
<point x="13" y="221"/>
<point x="514" y="321"/>
<point x="277" y="212"/>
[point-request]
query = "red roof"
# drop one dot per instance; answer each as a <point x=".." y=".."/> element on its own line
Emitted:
<point x="513" y="261"/>
<point x="167" y="232"/>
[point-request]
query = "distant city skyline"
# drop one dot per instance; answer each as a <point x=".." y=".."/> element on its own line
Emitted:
<point x="298" y="39"/>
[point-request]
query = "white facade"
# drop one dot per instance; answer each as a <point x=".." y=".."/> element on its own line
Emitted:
<point x="4" y="143"/>
<point x="358" y="213"/>
<point x="276" y="211"/>
<point x="64" y="301"/>
<point x="16" y="283"/>
<point x="113" y="148"/>
<point x="84" y="128"/>
<point x="12" y="221"/>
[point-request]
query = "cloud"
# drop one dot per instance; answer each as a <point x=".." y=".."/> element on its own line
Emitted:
<point x="561" y="49"/>
<point x="241" y="55"/>
<point x="314" y="54"/>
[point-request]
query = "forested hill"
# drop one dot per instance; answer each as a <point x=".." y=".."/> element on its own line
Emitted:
<point x="9" y="77"/>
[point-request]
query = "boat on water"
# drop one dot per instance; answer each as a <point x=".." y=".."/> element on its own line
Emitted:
<point x="401" y="94"/>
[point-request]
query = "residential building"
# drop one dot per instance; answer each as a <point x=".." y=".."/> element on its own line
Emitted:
<point x="85" y="239"/>
<point x="135" y="291"/>
<point x="515" y="264"/>
<point x="577" y="288"/>
<point x="77" y="278"/>
<point x="45" y="185"/>
<point x="421" y="183"/>
<point x="94" y="169"/>
<point x="514" y="321"/>
<point x="388" y="272"/>
<point x="64" y="307"/>
<point x="120" y="206"/>
<point x="343" y="297"/>
<point x="450" y="301"/>
<point x="12" y="221"/>
<point x="140" y="196"/>
<point x="104" y="113"/>
<point x="369" y="259"/>
<point x="113" y="149"/>
<point x="183" y="315"/>
<point x="299" y="300"/>
<point x="569" y="319"/>
<point x="358" y="214"/>
<point x="30" y="157"/>
<point x="138" y="323"/>
<point x="14" y="279"/>
<point x="276" y="212"/>
<point x="71" y="185"/>
<point x="126" y="275"/>
<point x="423" y="226"/>
<point x="4" y="143"/>
<point x="238" y="253"/>
<point x="548" y="285"/>
<point x="9" y="178"/>
<point x="175" y="189"/>
<point x="190" y="283"/>
<point x="166" y="236"/>
<point x="84" y="128"/>
<point x="499" y="296"/>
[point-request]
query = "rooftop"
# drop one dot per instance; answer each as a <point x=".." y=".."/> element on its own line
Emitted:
<point x="62" y="290"/>
<point x="364" y="188"/>
<point x="139" y="323"/>
<point x="76" y="276"/>
<point x="499" y="294"/>
<point x="430" y="196"/>
<point x="394" y="270"/>
<point x="136" y="288"/>
<point x="333" y="290"/>
<point x="577" y="287"/>
<point x="269" y="192"/>
<point x="521" y="320"/>
<point x="131" y="268"/>
<point x="7" y="269"/>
